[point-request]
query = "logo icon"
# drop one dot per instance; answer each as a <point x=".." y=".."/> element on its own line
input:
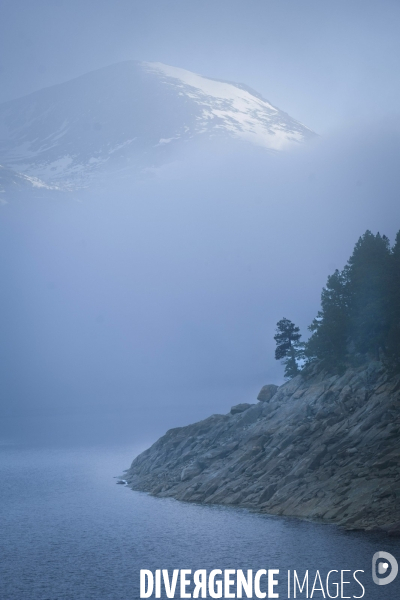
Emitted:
<point x="386" y="560"/>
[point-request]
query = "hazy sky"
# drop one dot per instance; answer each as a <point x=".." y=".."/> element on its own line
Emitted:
<point x="157" y="303"/>
<point x="326" y="63"/>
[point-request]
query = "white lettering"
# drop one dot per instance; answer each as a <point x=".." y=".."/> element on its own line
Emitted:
<point x="170" y="587"/>
<point x="184" y="583"/>
<point x="243" y="584"/>
<point x="334" y="584"/>
<point x="228" y="583"/>
<point x="158" y="583"/>
<point x="257" y="578"/>
<point x="359" y="583"/>
<point x="146" y="577"/>
<point x="215" y="587"/>
<point x="318" y="589"/>
<point x="305" y="581"/>
<point x="200" y="580"/>
<point x="343" y="582"/>
<point x="272" y="583"/>
<point x="222" y="584"/>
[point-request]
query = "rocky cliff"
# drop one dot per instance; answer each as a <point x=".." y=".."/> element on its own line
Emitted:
<point x="320" y="446"/>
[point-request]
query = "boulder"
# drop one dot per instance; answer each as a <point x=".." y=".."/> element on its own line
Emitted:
<point x="191" y="471"/>
<point x="239" y="408"/>
<point x="266" y="392"/>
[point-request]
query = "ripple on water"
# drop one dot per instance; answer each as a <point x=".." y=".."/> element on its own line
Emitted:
<point x="69" y="532"/>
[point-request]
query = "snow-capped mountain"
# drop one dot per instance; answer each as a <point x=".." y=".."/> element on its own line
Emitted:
<point x="128" y="116"/>
<point x="11" y="180"/>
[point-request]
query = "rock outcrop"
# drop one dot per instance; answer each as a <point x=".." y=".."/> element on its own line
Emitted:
<point x="266" y="392"/>
<point x="321" y="447"/>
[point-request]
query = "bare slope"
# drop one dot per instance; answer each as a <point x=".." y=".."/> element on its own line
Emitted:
<point x="325" y="447"/>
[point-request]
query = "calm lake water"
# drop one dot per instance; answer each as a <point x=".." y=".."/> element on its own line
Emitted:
<point x="69" y="532"/>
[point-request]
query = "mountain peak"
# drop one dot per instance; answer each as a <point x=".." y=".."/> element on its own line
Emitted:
<point x="234" y="108"/>
<point x="128" y="116"/>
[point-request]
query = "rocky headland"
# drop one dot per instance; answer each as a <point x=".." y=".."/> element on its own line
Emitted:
<point x="318" y="447"/>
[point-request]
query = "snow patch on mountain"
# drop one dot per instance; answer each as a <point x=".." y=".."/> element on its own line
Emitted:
<point x="229" y="107"/>
<point x="11" y="180"/>
<point x="131" y="117"/>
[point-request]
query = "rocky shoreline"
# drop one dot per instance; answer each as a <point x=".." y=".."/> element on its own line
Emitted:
<point x="318" y="447"/>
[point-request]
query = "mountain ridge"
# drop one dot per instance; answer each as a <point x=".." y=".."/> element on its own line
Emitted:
<point x="129" y="116"/>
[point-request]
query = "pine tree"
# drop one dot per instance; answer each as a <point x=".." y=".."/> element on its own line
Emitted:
<point x="288" y="346"/>
<point x="392" y="347"/>
<point x="330" y="328"/>
<point x="360" y="308"/>
<point x="369" y="293"/>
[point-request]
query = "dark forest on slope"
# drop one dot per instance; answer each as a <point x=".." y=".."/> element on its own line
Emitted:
<point x="359" y="318"/>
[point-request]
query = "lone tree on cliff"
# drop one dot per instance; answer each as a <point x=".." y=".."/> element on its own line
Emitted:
<point x="288" y="346"/>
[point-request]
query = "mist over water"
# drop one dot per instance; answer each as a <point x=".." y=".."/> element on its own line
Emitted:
<point x="69" y="532"/>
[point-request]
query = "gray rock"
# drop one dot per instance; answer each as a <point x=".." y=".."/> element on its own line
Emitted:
<point x="393" y="529"/>
<point x="239" y="408"/>
<point x="191" y="471"/>
<point x="266" y="392"/>
<point x="319" y="448"/>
